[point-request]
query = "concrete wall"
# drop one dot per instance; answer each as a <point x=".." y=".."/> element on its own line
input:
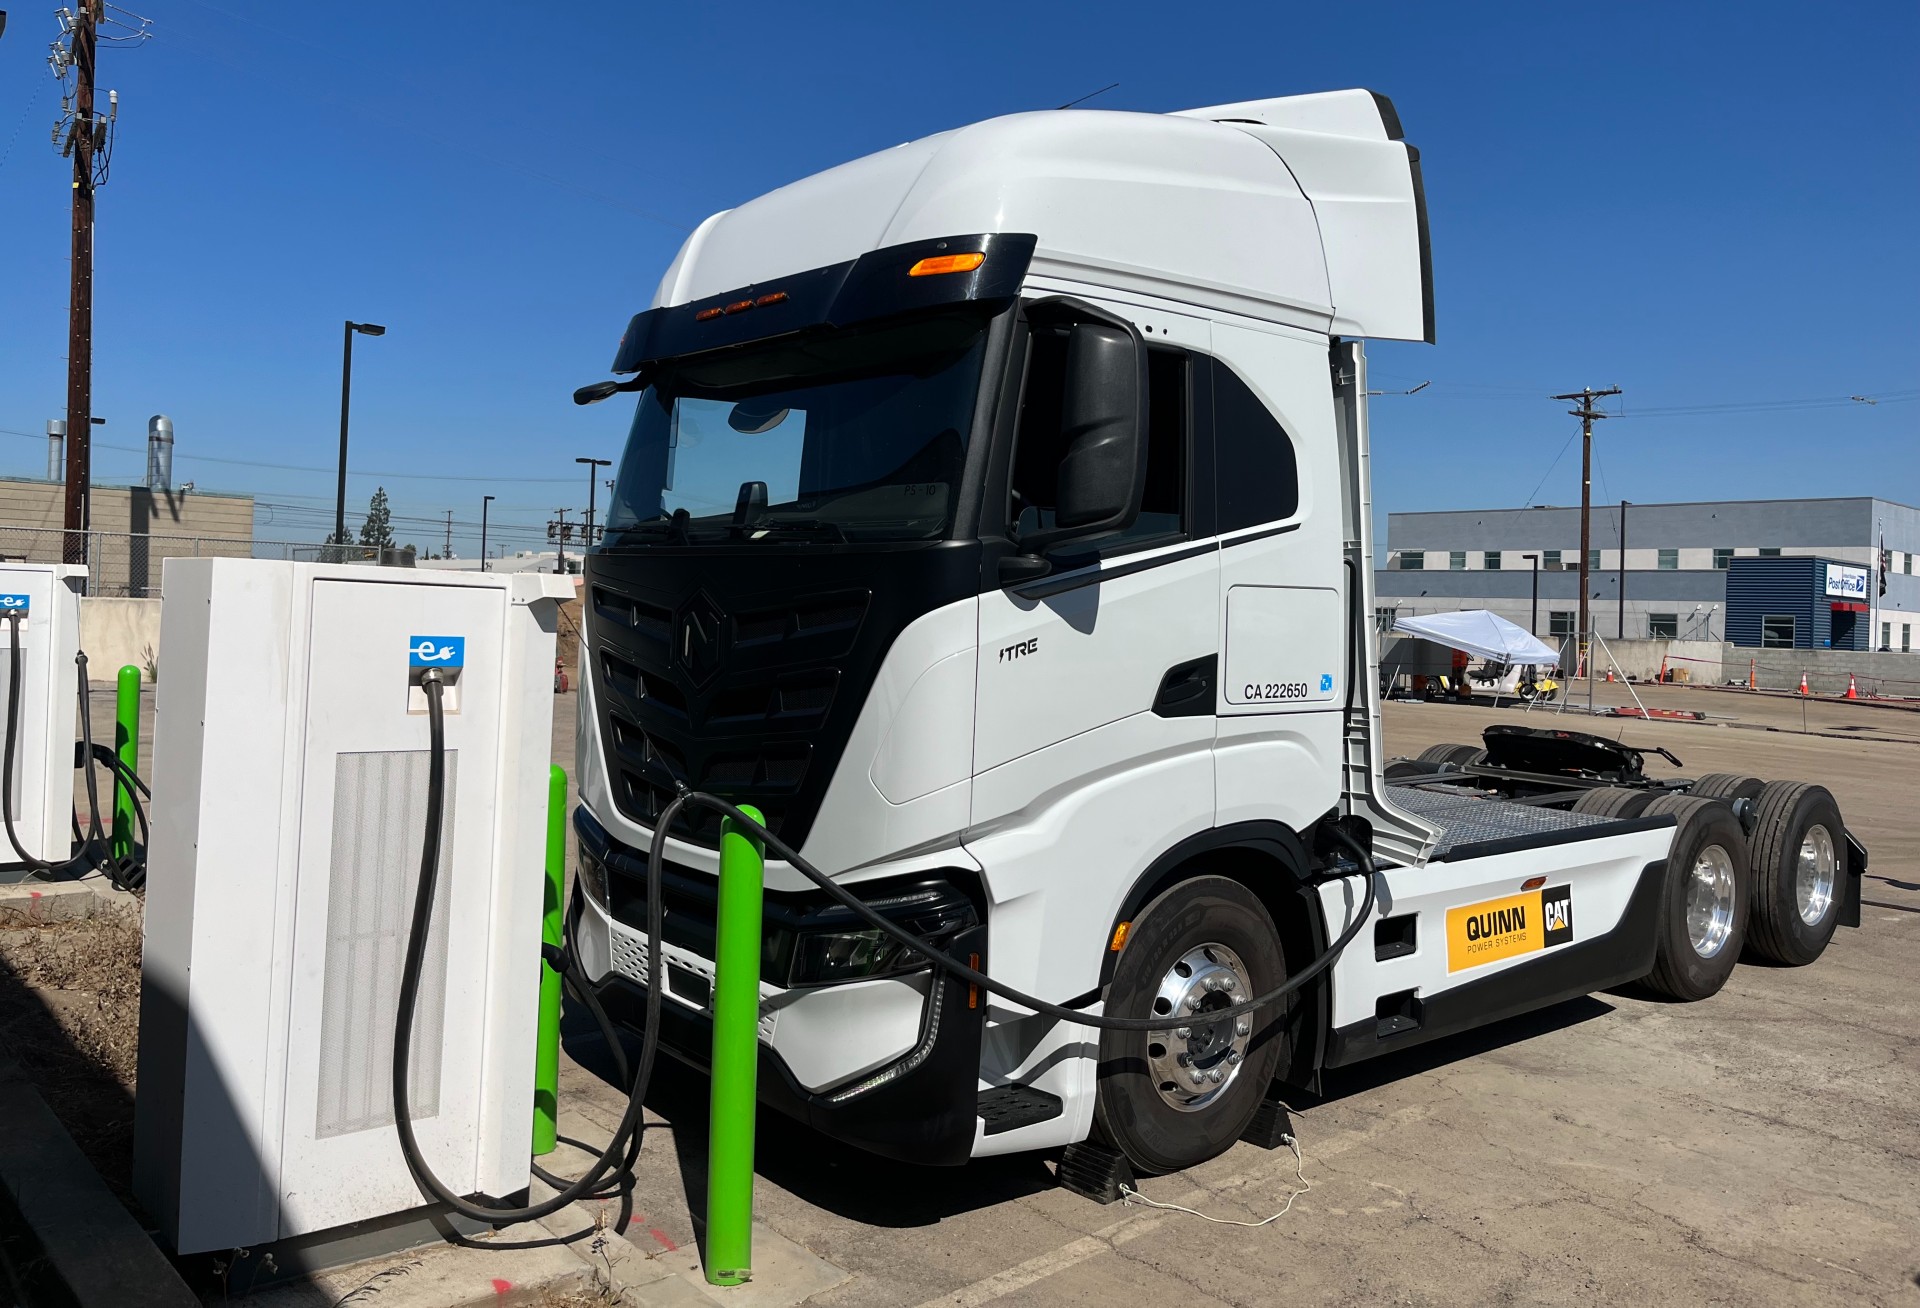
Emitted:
<point x="133" y="530"/>
<point x="116" y="632"/>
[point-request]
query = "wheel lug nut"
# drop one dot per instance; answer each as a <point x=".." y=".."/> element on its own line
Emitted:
<point x="1233" y="1056"/>
<point x="1193" y="1001"/>
<point x="1199" y="1077"/>
<point x="1242" y="1026"/>
<point x="1183" y="1032"/>
<point x="1184" y="1059"/>
<point x="1216" y="1076"/>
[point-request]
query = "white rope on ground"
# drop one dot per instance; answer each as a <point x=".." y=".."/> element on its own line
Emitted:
<point x="1129" y="1195"/>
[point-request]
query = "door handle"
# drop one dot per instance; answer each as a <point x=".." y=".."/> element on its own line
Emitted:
<point x="1186" y="691"/>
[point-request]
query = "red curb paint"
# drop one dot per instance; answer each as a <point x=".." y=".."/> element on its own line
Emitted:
<point x="661" y="1236"/>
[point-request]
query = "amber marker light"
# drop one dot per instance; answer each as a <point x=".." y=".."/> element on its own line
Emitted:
<point x="947" y="263"/>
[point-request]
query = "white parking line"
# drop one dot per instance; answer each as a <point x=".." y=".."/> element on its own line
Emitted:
<point x="1020" y="1276"/>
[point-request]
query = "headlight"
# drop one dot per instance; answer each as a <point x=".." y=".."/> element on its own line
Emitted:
<point x="593" y="881"/>
<point x="823" y="957"/>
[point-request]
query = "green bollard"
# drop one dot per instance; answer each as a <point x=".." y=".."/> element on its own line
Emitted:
<point x="546" y="1054"/>
<point x="736" y="1056"/>
<point x="126" y="743"/>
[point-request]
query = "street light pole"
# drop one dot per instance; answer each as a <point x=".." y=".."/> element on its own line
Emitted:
<point x="346" y="395"/>
<point x="1533" y="621"/>
<point x="593" y="478"/>
<point x="485" y="500"/>
<point x="1621" y="633"/>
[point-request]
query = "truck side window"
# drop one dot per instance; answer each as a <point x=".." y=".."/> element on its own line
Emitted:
<point x="1037" y="449"/>
<point x="1258" y="478"/>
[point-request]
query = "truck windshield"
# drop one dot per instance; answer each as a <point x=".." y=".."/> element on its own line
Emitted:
<point x="842" y="437"/>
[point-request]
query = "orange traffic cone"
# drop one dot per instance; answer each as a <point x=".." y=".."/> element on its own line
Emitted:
<point x="1753" y="666"/>
<point x="1663" y="669"/>
<point x="1609" y="674"/>
<point x="1853" y="691"/>
<point x="1803" y="684"/>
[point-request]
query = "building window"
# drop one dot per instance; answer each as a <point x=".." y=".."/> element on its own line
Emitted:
<point x="1456" y="560"/>
<point x="1669" y="560"/>
<point x="1383" y="619"/>
<point x="1550" y="558"/>
<point x="1908" y="566"/>
<point x="1560" y="622"/>
<point x="1721" y="560"/>
<point x="1776" y="632"/>
<point x="1663" y="626"/>
<point x="1886" y="635"/>
<point x="1412" y="560"/>
<point x="1770" y="552"/>
<point x="1906" y="638"/>
<point x="1593" y="560"/>
<point x="1492" y="560"/>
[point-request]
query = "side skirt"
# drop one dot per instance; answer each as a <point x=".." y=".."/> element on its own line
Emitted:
<point x="1621" y="955"/>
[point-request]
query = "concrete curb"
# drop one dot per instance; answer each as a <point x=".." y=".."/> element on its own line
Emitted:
<point x="64" y="901"/>
<point x="89" y="1241"/>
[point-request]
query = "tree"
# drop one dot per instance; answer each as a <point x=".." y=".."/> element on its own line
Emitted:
<point x="377" y="531"/>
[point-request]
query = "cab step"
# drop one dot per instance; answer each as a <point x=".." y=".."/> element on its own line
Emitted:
<point x="1009" y="1107"/>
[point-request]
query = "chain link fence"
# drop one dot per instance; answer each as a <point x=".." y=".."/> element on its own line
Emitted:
<point x="128" y="564"/>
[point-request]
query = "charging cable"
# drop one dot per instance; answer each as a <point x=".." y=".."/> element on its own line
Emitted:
<point x="624" y="1139"/>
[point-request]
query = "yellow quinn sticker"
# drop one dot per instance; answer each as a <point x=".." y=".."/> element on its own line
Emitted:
<point x="1506" y="928"/>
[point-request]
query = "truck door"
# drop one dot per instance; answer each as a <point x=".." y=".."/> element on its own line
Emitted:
<point x="1108" y="658"/>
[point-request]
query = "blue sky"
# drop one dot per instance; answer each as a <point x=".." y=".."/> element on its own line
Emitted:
<point x="1713" y="208"/>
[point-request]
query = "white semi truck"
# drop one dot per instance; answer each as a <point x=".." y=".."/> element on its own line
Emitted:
<point x="995" y="520"/>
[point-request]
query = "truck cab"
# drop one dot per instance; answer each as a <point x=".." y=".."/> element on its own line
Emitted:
<point x="995" y="521"/>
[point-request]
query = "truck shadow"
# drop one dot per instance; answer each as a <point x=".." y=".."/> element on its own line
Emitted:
<point x="1344" y="1082"/>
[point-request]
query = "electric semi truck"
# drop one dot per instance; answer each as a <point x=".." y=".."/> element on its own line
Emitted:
<point x="995" y="521"/>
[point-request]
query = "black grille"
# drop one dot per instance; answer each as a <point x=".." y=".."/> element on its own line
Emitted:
<point x="742" y="672"/>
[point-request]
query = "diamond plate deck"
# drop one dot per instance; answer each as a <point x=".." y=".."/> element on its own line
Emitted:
<point x="1468" y="817"/>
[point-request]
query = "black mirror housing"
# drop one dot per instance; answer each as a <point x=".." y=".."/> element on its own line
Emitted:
<point x="1103" y="470"/>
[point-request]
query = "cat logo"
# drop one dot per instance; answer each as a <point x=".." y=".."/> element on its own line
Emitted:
<point x="1506" y="928"/>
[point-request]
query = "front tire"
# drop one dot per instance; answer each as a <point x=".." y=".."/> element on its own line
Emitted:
<point x="1703" y="920"/>
<point x="1203" y="944"/>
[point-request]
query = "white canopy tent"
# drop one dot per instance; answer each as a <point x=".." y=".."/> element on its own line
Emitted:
<point x="1481" y="633"/>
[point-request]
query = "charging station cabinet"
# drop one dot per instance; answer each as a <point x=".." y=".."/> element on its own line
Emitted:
<point x="290" y="770"/>
<point x="47" y="596"/>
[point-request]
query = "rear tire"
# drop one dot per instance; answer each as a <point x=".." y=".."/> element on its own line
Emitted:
<point x="1726" y="785"/>
<point x="1703" y="916"/>
<point x="1146" y="1104"/>
<point x="1799" y="860"/>
<point x="1458" y="755"/>
<point x="1615" y="802"/>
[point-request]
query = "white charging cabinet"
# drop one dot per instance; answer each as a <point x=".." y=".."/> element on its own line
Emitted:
<point x="48" y="595"/>
<point x="289" y="793"/>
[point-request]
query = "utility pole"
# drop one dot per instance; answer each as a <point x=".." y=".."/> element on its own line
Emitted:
<point x="80" y="143"/>
<point x="89" y="143"/>
<point x="558" y="533"/>
<point x="447" y="553"/>
<point x="1586" y="413"/>
<point x="485" y="501"/>
<point x="593" y="473"/>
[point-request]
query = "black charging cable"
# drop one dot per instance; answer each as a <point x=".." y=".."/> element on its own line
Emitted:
<point x="95" y="853"/>
<point x="624" y="1144"/>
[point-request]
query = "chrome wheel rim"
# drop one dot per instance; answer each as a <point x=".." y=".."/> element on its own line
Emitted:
<point x="1193" y="1061"/>
<point x="1710" y="892"/>
<point x="1813" y="877"/>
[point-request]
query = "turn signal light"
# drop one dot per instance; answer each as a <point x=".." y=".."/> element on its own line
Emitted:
<point x="947" y="263"/>
<point x="774" y="297"/>
<point x="1533" y="883"/>
<point x="739" y="306"/>
<point x="1119" y="937"/>
<point x="705" y="314"/>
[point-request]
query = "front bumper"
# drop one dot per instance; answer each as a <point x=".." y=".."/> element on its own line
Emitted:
<point x="920" y="1107"/>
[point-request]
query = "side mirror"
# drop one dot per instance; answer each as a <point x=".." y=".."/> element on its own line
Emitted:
<point x="1103" y="467"/>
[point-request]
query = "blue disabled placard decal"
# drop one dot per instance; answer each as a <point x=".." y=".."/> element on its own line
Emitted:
<point x="14" y="604"/>
<point x="436" y="651"/>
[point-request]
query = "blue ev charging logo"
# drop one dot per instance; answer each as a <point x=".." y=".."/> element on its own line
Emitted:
<point x="15" y="604"/>
<point x="1326" y="682"/>
<point x="436" y="651"/>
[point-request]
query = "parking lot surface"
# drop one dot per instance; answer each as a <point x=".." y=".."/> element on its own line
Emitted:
<point x="1762" y="1147"/>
